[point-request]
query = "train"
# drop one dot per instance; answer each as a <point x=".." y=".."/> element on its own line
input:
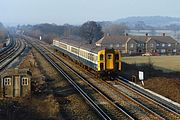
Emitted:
<point x="105" y="61"/>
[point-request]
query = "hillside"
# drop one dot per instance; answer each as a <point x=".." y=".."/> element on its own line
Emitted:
<point x="154" y="21"/>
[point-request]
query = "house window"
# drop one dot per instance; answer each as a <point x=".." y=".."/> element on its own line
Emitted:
<point x="152" y="45"/>
<point x="111" y="45"/>
<point x="139" y="45"/>
<point x="132" y="45"/>
<point x="7" y="81"/>
<point x="116" y="56"/>
<point x="123" y="45"/>
<point x="123" y="51"/>
<point x="117" y="45"/>
<point x="174" y="50"/>
<point x="24" y="81"/>
<point x="163" y="50"/>
<point x="157" y="44"/>
<point x="169" y="44"/>
<point x="163" y="45"/>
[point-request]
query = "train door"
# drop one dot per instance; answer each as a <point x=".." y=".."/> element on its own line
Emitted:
<point x="109" y="61"/>
<point x="116" y="61"/>
<point x="117" y="58"/>
<point x="101" y="60"/>
<point x="102" y="63"/>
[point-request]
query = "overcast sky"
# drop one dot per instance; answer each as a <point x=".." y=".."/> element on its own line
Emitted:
<point x="80" y="11"/>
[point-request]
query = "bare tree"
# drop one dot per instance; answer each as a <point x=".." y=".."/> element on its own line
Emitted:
<point x="116" y="29"/>
<point x="91" y="31"/>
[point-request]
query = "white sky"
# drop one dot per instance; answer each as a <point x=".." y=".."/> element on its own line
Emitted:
<point x="80" y="11"/>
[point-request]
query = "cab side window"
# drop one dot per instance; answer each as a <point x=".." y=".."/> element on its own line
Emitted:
<point x="116" y="56"/>
<point x="101" y="57"/>
<point x="109" y="56"/>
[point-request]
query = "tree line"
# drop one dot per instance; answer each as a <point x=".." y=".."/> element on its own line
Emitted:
<point x="90" y="31"/>
<point x="3" y="33"/>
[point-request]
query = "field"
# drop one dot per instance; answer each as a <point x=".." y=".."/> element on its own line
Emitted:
<point x="166" y="84"/>
<point x="167" y="63"/>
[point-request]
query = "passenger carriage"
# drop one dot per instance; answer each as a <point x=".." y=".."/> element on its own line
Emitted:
<point x="106" y="61"/>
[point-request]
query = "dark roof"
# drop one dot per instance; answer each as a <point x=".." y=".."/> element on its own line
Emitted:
<point x="139" y="39"/>
<point x="113" y="40"/>
<point x="108" y="39"/>
<point x="165" y="39"/>
<point x="80" y="43"/>
<point x="16" y="71"/>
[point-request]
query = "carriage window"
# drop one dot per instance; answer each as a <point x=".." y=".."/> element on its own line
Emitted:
<point x="95" y="58"/>
<point x="74" y="50"/>
<point x="101" y="57"/>
<point x="63" y="45"/>
<point x="116" y="57"/>
<point x="7" y="81"/>
<point x="109" y="56"/>
<point x="90" y="56"/>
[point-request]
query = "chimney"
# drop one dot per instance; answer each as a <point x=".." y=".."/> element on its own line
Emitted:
<point x="108" y="34"/>
<point x="164" y="34"/>
<point x="127" y="34"/>
<point x="146" y="34"/>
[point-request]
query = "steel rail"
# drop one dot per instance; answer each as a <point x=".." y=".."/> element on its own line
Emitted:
<point x="89" y="100"/>
<point x="13" y="55"/>
<point x="143" y="94"/>
<point x="8" y="48"/>
<point x="141" y="105"/>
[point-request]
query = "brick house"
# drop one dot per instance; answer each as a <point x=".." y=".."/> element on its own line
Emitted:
<point x="15" y="83"/>
<point x="141" y="44"/>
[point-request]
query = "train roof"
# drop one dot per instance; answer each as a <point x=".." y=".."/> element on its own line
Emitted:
<point x="80" y="43"/>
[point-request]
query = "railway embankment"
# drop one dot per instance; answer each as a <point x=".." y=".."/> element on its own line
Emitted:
<point x="46" y="79"/>
<point x="164" y="83"/>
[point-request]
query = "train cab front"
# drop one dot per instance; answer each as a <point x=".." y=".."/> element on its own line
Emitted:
<point x="108" y="63"/>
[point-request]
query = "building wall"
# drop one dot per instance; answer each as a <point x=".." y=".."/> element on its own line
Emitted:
<point x="151" y="46"/>
<point x="6" y="86"/>
<point x="131" y="47"/>
<point x="15" y="86"/>
<point x="25" y="88"/>
<point x="159" y="47"/>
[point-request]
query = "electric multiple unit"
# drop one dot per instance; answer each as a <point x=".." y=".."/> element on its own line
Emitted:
<point x="107" y="61"/>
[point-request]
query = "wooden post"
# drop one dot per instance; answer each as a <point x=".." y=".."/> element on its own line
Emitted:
<point x="134" y="78"/>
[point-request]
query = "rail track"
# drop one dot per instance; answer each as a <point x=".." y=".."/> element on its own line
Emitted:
<point x="134" y="102"/>
<point x="160" y="113"/>
<point x="172" y="106"/>
<point x="167" y="111"/>
<point x="138" y="104"/>
<point x="11" y="53"/>
<point x="105" y="107"/>
<point x="9" y="47"/>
